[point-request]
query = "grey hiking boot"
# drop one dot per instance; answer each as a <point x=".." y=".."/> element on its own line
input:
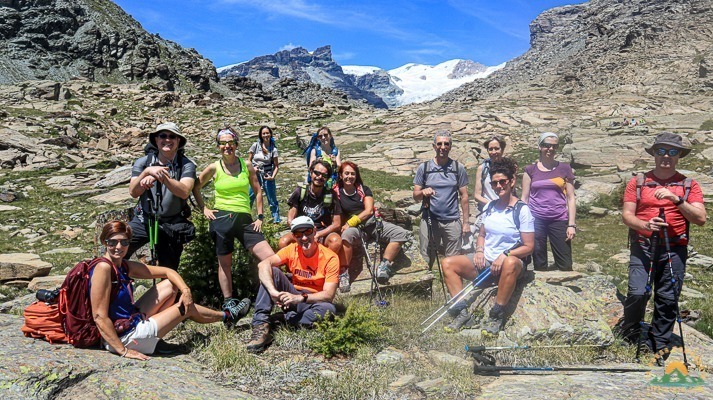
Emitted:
<point x="260" y="338"/>
<point x="344" y="284"/>
<point x="463" y="319"/>
<point x="492" y="325"/>
<point x="383" y="272"/>
<point x="235" y="309"/>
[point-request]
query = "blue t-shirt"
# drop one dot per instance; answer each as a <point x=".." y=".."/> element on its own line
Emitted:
<point x="446" y="182"/>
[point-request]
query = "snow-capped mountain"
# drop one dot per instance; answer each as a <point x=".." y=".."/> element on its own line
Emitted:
<point x="411" y="83"/>
<point x="418" y="82"/>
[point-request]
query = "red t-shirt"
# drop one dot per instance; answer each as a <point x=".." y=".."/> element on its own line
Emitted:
<point x="648" y="206"/>
<point x="311" y="273"/>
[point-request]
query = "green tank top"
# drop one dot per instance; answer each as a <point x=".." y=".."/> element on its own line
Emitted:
<point x="232" y="192"/>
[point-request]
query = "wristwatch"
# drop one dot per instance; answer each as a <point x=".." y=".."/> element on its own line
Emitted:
<point x="304" y="297"/>
<point x="679" y="202"/>
<point x="260" y="217"/>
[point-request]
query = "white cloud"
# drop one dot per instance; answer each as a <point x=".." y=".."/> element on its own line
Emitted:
<point x="347" y="55"/>
<point x="288" y="47"/>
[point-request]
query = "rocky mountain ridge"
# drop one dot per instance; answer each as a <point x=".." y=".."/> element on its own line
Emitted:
<point x="96" y="40"/>
<point x="636" y="46"/>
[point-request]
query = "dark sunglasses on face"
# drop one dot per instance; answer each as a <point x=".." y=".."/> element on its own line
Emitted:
<point x="501" y="182"/>
<point x="323" y="136"/>
<point x="306" y="232"/>
<point x="320" y="174"/>
<point x="671" y="152"/>
<point x="443" y="144"/>
<point x="114" y="242"/>
<point x="167" y="136"/>
<point x="550" y="146"/>
<point x="226" y="142"/>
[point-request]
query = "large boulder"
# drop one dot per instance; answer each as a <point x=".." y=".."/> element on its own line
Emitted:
<point x="22" y="266"/>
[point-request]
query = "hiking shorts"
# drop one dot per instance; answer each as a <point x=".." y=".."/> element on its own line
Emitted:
<point x="493" y="280"/>
<point x="227" y="226"/>
<point x="389" y="233"/>
<point x="142" y="338"/>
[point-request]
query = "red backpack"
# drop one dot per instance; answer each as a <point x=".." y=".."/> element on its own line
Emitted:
<point x="43" y="321"/>
<point x="75" y="304"/>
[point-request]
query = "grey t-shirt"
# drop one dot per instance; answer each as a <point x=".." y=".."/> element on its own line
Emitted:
<point x="446" y="182"/>
<point x="260" y="159"/>
<point x="171" y="204"/>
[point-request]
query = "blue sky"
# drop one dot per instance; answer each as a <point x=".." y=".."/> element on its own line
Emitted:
<point x="382" y="33"/>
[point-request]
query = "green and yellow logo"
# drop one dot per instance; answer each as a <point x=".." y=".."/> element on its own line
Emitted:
<point x="676" y="375"/>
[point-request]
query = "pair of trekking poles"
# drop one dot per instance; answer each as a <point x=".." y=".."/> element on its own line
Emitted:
<point x="375" y="288"/>
<point x="654" y="250"/>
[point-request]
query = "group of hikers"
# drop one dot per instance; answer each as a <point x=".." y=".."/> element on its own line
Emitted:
<point x="332" y="213"/>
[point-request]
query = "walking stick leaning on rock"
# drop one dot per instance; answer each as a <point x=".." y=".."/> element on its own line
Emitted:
<point x="463" y="294"/>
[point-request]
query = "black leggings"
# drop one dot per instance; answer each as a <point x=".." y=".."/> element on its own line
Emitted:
<point x="556" y="231"/>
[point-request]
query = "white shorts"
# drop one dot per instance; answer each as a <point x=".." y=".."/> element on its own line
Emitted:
<point x="143" y="338"/>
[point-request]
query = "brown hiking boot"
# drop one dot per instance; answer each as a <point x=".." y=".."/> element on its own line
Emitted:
<point x="260" y="338"/>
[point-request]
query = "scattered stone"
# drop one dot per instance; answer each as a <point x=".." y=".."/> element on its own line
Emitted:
<point x="7" y="197"/>
<point x="445" y="358"/>
<point x="432" y="386"/>
<point x="22" y="266"/>
<point x="118" y="176"/>
<point x="65" y="250"/>
<point x="19" y="303"/>
<point x="329" y="374"/>
<point x="555" y="277"/>
<point x="598" y="211"/>
<point x="5" y="207"/>
<point x="621" y="258"/>
<point x="404" y="380"/>
<point x="700" y="260"/>
<point x="115" y="196"/>
<point x="692" y="293"/>
<point x="591" y="246"/>
<point x="19" y="283"/>
<point x="390" y="356"/>
<point x="588" y="267"/>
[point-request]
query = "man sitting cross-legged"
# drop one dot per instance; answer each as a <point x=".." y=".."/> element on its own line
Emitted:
<point x="308" y="296"/>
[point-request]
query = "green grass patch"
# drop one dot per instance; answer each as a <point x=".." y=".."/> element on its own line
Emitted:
<point x="707" y="125"/>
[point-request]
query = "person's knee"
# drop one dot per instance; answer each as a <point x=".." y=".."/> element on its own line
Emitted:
<point x="285" y="240"/>
<point x="334" y="242"/>
<point x="511" y="267"/>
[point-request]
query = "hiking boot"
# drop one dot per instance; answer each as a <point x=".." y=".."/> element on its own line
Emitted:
<point x="463" y="319"/>
<point x="661" y="356"/>
<point x="344" y="284"/>
<point x="383" y="272"/>
<point x="235" y="310"/>
<point x="260" y="338"/>
<point x="492" y="326"/>
<point x="276" y="218"/>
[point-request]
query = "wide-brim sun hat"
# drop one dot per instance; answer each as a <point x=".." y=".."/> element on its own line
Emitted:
<point x="302" y="222"/>
<point x="168" y="127"/>
<point x="671" y="139"/>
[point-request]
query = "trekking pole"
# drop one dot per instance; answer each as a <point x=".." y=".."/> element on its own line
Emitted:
<point x="489" y="369"/>
<point x="461" y="295"/>
<point x="481" y="349"/>
<point x="370" y="267"/>
<point x="653" y="249"/>
<point x="676" y="292"/>
<point x="432" y="248"/>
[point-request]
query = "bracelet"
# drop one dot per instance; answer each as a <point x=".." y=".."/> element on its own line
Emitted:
<point x="479" y="251"/>
<point x="126" y="350"/>
<point x="572" y="226"/>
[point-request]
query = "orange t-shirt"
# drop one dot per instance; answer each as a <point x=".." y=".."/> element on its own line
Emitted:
<point x="648" y="206"/>
<point x="311" y="273"/>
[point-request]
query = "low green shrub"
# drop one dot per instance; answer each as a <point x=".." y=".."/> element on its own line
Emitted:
<point x="345" y="335"/>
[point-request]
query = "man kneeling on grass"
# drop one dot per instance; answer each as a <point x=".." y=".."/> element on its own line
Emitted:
<point x="306" y="297"/>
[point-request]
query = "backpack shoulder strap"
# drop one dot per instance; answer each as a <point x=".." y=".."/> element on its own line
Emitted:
<point x="516" y="213"/>
<point x="486" y="170"/>
<point x="687" y="188"/>
<point x="303" y="190"/>
<point x="640" y="178"/>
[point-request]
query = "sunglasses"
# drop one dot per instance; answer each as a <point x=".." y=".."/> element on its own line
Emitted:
<point x="320" y="174"/>
<point x="443" y="144"/>
<point x="227" y="142"/>
<point x="305" y="232"/>
<point x="671" y="152"/>
<point x="114" y="242"/>
<point x="167" y="136"/>
<point x="324" y="136"/>
<point x="501" y="182"/>
<point x="550" y="146"/>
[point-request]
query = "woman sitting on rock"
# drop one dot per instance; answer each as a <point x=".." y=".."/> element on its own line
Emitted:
<point x="231" y="219"/>
<point x="133" y="328"/>
<point x="505" y="238"/>
<point x="357" y="204"/>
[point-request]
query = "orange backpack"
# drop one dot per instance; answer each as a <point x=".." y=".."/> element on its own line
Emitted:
<point x="43" y="321"/>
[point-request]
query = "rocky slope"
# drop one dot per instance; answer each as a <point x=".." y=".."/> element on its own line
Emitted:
<point x="317" y="67"/>
<point x="637" y="46"/>
<point x="93" y="39"/>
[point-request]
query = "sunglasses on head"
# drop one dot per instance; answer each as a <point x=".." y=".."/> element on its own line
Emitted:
<point x="114" y="242"/>
<point x="227" y="142"/>
<point x="501" y="182"/>
<point x="671" y="152"/>
<point x="550" y="146"/>
<point x="167" y="136"/>
<point x="320" y="174"/>
<point x="304" y="232"/>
